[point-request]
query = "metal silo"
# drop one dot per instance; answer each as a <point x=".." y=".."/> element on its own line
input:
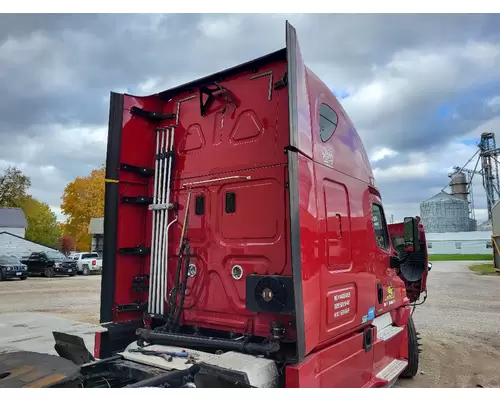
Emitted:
<point x="458" y="186"/>
<point x="445" y="213"/>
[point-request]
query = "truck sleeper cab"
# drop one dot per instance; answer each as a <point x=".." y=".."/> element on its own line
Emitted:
<point x="243" y="225"/>
<point x="287" y="233"/>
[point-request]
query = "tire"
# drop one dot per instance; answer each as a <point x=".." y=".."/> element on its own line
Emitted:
<point x="49" y="272"/>
<point x="2" y="278"/>
<point x="85" y="271"/>
<point x="23" y="278"/>
<point x="413" y="351"/>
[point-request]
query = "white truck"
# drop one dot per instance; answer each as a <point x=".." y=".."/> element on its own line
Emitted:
<point x="87" y="262"/>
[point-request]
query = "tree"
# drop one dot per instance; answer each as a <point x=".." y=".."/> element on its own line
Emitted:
<point x="66" y="245"/>
<point x="13" y="187"/>
<point x="82" y="200"/>
<point x="42" y="227"/>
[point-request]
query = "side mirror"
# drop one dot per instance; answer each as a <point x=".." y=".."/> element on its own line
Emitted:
<point x="429" y="266"/>
<point x="411" y="234"/>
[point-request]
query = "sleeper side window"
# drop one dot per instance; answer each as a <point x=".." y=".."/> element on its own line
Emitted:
<point x="380" y="227"/>
<point x="328" y="121"/>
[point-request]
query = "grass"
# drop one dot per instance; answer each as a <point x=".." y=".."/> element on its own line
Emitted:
<point x="460" y="257"/>
<point x="484" y="269"/>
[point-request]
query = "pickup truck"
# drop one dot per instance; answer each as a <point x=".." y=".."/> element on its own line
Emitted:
<point x="87" y="262"/>
<point x="50" y="264"/>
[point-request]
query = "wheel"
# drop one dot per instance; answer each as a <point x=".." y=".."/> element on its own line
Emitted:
<point x="49" y="272"/>
<point x="85" y="271"/>
<point x="2" y="278"/>
<point x="413" y="351"/>
<point x="23" y="278"/>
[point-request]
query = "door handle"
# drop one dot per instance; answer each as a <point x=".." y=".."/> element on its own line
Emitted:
<point x="380" y="293"/>
<point x="339" y="234"/>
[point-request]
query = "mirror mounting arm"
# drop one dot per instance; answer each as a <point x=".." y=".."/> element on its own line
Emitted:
<point x="395" y="262"/>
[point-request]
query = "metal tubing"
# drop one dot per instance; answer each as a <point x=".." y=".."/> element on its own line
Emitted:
<point x="166" y="225"/>
<point x="164" y="222"/>
<point x="184" y="340"/>
<point x="152" y="265"/>
<point x="159" y="223"/>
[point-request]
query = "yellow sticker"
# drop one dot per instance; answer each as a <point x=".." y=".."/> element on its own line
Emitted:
<point x="390" y="293"/>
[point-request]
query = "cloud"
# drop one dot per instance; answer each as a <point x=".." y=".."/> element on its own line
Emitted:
<point x="416" y="86"/>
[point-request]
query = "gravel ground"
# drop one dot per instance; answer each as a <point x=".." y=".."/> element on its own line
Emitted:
<point x="73" y="297"/>
<point x="459" y="323"/>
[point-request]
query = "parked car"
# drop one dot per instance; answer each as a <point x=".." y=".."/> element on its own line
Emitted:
<point x="50" y="263"/>
<point x="11" y="267"/>
<point x="87" y="262"/>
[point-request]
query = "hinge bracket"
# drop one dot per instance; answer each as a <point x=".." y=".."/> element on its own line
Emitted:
<point x="282" y="83"/>
<point x="131" y="307"/>
<point x="137" y="170"/>
<point x="137" y="200"/>
<point x="151" y="115"/>
<point x="140" y="283"/>
<point x="135" y="251"/>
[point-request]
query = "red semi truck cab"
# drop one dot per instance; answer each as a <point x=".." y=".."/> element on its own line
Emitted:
<point x="245" y="205"/>
<point x="243" y="225"/>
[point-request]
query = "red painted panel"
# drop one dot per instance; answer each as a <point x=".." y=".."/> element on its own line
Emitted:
<point x="342" y="365"/>
<point x="253" y="237"/>
<point x="338" y="225"/>
<point x="244" y="133"/>
<point x="228" y="138"/>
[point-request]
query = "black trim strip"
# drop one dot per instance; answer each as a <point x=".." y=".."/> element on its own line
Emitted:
<point x="293" y="179"/>
<point x="111" y="195"/>
<point x="220" y="76"/>
<point x="132" y="307"/>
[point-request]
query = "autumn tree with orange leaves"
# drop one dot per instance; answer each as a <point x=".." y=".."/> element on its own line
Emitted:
<point x="82" y="200"/>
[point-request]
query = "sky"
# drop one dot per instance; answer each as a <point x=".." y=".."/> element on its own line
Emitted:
<point x="420" y="89"/>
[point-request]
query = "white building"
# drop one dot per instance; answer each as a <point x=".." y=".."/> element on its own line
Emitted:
<point x="475" y="242"/>
<point x="96" y="229"/>
<point x="13" y="226"/>
<point x="12" y="220"/>
<point x="19" y="247"/>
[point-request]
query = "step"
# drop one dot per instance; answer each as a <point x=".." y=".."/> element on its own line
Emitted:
<point x="388" y="332"/>
<point x="392" y="370"/>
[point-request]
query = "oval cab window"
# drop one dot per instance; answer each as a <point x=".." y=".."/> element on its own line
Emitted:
<point x="328" y="121"/>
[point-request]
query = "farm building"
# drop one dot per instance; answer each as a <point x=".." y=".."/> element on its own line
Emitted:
<point x="18" y="246"/>
<point x="12" y="220"/>
<point x="475" y="242"/>
<point x="13" y="225"/>
<point x="96" y="230"/>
